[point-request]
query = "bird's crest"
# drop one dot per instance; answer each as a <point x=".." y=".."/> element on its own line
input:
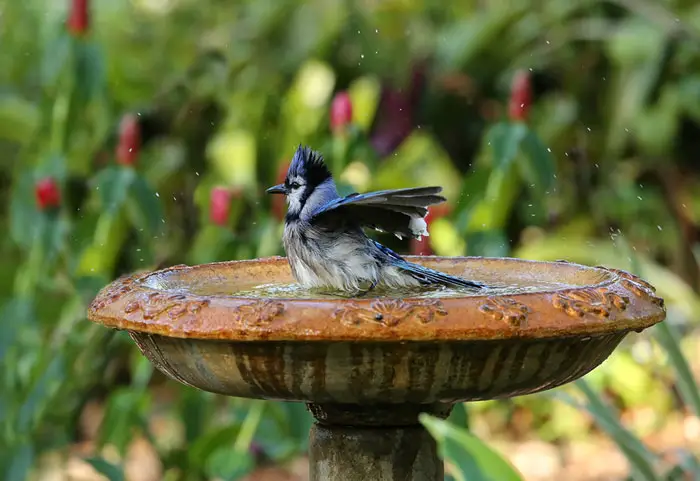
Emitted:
<point x="309" y="165"/>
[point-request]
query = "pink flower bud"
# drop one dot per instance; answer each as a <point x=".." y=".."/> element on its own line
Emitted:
<point x="47" y="193"/>
<point x="520" y="96"/>
<point x="129" y="140"/>
<point x="78" y="20"/>
<point x="220" y="205"/>
<point x="341" y="112"/>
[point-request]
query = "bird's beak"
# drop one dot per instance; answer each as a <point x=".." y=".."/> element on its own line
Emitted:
<point x="277" y="189"/>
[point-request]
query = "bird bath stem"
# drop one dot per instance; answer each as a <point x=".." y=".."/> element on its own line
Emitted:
<point x="368" y="367"/>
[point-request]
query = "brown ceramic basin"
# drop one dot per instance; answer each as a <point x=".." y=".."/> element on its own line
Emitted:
<point x="369" y="363"/>
<point x="379" y="350"/>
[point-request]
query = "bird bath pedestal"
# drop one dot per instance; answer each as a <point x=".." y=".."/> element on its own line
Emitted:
<point x="368" y="367"/>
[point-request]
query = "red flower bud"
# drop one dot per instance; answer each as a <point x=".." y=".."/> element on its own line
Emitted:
<point x="220" y="205"/>
<point x="278" y="200"/>
<point x="520" y="96"/>
<point x="129" y="140"/>
<point x="422" y="247"/>
<point x="341" y="112"/>
<point x="47" y="194"/>
<point x="78" y="18"/>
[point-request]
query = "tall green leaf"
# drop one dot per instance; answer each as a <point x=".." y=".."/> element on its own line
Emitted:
<point x="472" y="459"/>
<point x="640" y="458"/>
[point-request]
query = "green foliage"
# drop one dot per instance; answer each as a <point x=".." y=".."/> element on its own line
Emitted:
<point x="472" y="459"/>
<point x="602" y="172"/>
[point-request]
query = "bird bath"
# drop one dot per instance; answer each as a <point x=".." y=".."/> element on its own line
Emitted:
<point x="367" y="367"/>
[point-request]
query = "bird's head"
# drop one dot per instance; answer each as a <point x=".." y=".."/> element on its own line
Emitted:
<point x="308" y="183"/>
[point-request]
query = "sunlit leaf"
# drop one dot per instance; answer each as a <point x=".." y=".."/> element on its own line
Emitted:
<point x="472" y="459"/>
<point x="18" y="119"/>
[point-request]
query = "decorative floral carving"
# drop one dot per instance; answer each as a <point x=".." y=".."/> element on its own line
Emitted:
<point x="638" y="286"/>
<point x="503" y="308"/>
<point x="155" y="304"/>
<point x="390" y="312"/>
<point x="597" y="301"/>
<point x="258" y="313"/>
<point x="114" y="291"/>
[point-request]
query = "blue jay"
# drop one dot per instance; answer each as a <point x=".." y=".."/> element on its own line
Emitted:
<point x="324" y="239"/>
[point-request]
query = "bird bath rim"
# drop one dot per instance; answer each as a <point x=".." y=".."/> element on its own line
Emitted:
<point x="609" y="300"/>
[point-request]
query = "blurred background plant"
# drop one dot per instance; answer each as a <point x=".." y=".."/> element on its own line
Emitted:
<point x="139" y="134"/>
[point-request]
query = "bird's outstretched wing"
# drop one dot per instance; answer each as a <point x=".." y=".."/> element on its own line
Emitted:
<point x="399" y="212"/>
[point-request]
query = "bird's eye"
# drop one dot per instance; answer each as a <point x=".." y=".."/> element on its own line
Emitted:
<point x="294" y="185"/>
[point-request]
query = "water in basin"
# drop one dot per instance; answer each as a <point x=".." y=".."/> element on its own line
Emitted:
<point x="295" y="291"/>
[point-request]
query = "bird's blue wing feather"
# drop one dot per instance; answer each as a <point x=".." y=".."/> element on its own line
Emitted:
<point x="424" y="274"/>
<point x="387" y="210"/>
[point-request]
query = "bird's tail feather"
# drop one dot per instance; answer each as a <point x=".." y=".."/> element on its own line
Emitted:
<point x="431" y="276"/>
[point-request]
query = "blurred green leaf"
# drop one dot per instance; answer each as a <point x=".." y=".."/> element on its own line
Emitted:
<point x="299" y="422"/>
<point x="472" y="459"/>
<point x="459" y="416"/>
<point x="667" y="335"/>
<point x="18" y="119"/>
<point x="196" y="407"/>
<point x="121" y="418"/>
<point x="104" y="467"/>
<point x="539" y="165"/>
<point x="487" y="243"/>
<point x="145" y="206"/>
<point x="15" y="315"/>
<point x="203" y="446"/>
<point x="20" y="463"/>
<point x="113" y="185"/>
<point x="23" y="213"/>
<point x="50" y="377"/>
<point x="460" y="43"/>
<point x="89" y="70"/>
<point x="229" y="466"/>
<point x="640" y="458"/>
<point x="504" y="139"/>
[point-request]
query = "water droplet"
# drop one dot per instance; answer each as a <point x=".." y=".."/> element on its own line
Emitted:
<point x="659" y="227"/>
<point x="639" y="197"/>
<point x="549" y="150"/>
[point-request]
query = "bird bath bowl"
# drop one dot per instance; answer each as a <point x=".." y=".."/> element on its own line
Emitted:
<point x="367" y="367"/>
